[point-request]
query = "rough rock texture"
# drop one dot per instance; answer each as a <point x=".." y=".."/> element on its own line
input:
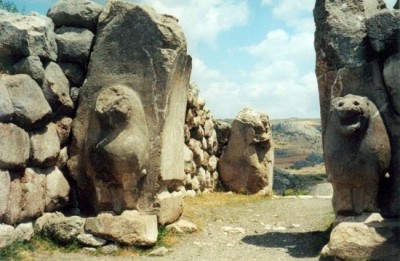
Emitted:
<point x="14" y="147"/>
<point x="31" y="66"/>
<point x="45" y="146"/>
<point x="130" y="228"/>
<point x="201" y="145"/>
<point x="63" y="229"/>
<point x="357" y="154"/>
<point x="7" y="235"/>
<point x="23" y="36"/>
<point x="246" y="164"/>
<point x="90" y="240"/>
<point x="57" y="190"/>
<point x="151" y="72"/>
<point x="347" y="65"/>
<point x="77" y="13"/>
<point x="171" y="207"/>
<point x="75" y="73"/>
<point x="24" y="232"/>
<point x="28" y="101"/>
<point x="369" y="239"/>
<point x="74" y="44"/>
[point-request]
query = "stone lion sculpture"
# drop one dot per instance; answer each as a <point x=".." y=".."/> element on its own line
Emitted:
<point x="118" y="148"/>
<point x="357" y="154"/>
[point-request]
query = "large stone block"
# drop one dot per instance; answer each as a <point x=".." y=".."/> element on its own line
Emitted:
<point x="32" y="66"/>
<point x="57" y="190"/>
<point x="29" y="103"/>
<point x="246" y="165"/>
<point x="14" y="147"/>
<point x="135" y="104"/>
<point x="26" y="35"/>
<point x="77" y="13"/>
<point x="45" y="146"/>
<point x="74" y="44"/>
<point x="130" y="228"/>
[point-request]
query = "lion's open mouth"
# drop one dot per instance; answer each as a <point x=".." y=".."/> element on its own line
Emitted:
<point x="349" y="125"/>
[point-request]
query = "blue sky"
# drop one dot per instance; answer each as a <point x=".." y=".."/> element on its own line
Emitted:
<point x="246" y="53"/>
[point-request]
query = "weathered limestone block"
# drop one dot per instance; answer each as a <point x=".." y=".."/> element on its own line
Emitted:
<point x="155" y="68"/>
<point x="25" y="35"/>
<point x="7" y="236"/>
<point x="57" y="190"/>
<point x="357" y="154"/>
<point x="74" y="44"/>
<point x="29" y="103"/>
<point x="12" y="212"/>
<point x="90" y="240"/>
<point x="63" y="229"/>
<point x="74" y="73"/>
<point x="31" y="66"/>
<point x="24" y="232"/>
<point x="130" y="228"/>
<point x="371" y="238"/>
<point x="171" y="207"/>
<point x="33" y="189"/>
<point x="190" y="166"/>
<point x="208" y="128"/>
<point x="246" y="165"/>
<point x="56" y="89"/>
<point x="45" y="146"/>
<point x="45" y="218"/>
<point x="77" y="13"/>
<point x="14" y="147"/>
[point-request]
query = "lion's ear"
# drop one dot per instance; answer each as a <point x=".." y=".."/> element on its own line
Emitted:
<point x="365" y="100"/>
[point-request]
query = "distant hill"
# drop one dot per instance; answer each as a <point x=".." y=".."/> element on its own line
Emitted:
<point x="295" y="140"/>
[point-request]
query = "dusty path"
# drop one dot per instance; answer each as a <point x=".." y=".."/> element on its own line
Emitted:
<point x="244" y="229"/>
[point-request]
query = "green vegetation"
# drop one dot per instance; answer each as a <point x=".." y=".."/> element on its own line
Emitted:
<point x="8" y="6"/>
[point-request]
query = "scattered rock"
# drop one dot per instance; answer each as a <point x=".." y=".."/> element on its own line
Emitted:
<point x="109" y="249"/>
<point x="233" y="230"/>
<point x="90" y="240"/>
<point x="183" y="226"/>
<point x="63" y="229"/>
<point x="161" y="251"/>
<point x="7" y="235"/>
<point x="129" y="228"/>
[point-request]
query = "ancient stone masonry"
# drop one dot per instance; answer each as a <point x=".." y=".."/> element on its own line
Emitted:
<point x="357" y="69"/>
<point x="35" y="119"/>
<point x="201" y="146"/>
<point x="246" y="163"/>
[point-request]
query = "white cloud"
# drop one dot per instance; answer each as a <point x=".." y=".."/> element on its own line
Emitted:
<point x="203" y="21"/>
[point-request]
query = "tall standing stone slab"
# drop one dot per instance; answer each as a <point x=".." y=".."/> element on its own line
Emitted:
<point x="147" y="75"/>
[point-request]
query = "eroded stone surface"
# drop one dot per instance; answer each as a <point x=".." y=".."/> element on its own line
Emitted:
<point x="246" y="165"/>
<point x="14" y="147"/>
<point x="45" y="146"/>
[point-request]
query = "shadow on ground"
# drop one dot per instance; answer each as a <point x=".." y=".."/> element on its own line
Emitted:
<point x="298" y="245"/>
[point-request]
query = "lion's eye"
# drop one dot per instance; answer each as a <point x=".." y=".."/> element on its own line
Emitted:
<point x="356" y="103"/>
<point x="340" y="104"/>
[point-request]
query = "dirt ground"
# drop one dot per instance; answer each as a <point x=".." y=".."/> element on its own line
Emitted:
<point x="239" y="228"/>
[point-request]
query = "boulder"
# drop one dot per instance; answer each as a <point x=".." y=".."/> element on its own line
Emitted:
<point x="45" y="146"/>
<point x="24" y="232"/>
<point x="130" y="228"/>
<point x="208" y="128"/>
<point x="7" y="236"/>
<point x="32" y="66"/>
<point x="151" y="77"/>
<point x="6" y="106"/>
<point x="76" y="13"/>
<point x="63" y="229"/>
<point x="246" y="165"/>
<point x="366" y="239"/>
<point x="14" y="147"/>
<point x="41" y="221"/>
<point x="57" y="190"/>
<point x="170" y="207"/>
<point x="90" y="240"/>
<point x="56" y="89"/>
<point x="183" y="226"/>
<point x="33" y="189"/>
<point x="75" y="73"/>
<point x="392" y="81"/>
<point x="12" y="213"/>
<point x="74" y="44"/>
<point x="26" y="35"/>
<point x="29" y="103"/>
